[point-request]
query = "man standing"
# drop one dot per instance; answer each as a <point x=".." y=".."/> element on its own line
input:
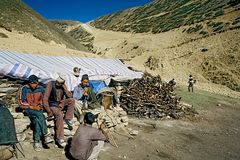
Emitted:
<point x="84" y="96"/>
<point x="31" y="101"/>
<point x="75" y="79"/>
<point x="88" y="141"/>
<point x="190" y="83"/>
<point x="56" y="99"/>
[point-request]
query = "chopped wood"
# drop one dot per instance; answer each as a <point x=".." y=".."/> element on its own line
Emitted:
<point x="150" y="97"/>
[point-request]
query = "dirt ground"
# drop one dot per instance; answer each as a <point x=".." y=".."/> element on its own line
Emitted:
<point x="213" y="134"/>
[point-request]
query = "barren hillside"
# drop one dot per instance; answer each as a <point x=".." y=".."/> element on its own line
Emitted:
<point x="164" y="15"/>
<point x="17" y="16"/>
<point x="177" y="38"/>
<point x="207" y="48"/>
<point x="75" y="30"/>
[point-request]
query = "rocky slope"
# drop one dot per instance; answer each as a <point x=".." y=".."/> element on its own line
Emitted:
<point x="75" y="30"/>
<point x="164" y="15"/>
<point x="17" y="16"/>
<point x="199" y="37"/>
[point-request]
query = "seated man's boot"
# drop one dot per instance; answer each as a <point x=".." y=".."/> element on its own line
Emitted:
<point x="37" y="146"/>
<point x="69" y="124"/>
<point x="61" y="143"/>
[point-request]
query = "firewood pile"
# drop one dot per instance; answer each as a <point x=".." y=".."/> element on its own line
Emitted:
<point x="149" y="97"/>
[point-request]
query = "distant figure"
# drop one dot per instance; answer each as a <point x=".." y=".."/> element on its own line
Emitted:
<point x="88" y="141"/>
<point x="31" y="101"/>
<point x="191" y="81"/>
<point x="56" y="99"/>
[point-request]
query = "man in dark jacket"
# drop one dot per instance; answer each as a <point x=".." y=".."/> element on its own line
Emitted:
<point x="191" y="82"/>
<point x="56" y="99"/>
<point x="31" y="101"/>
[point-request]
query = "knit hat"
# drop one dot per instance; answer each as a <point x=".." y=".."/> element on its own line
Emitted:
<point x="89" y="118"/>
<point x="33" y="79"/>
<point x="85" y="77"/>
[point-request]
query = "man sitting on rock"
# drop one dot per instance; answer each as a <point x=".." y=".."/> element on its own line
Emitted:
<point x="30" y="100"/>
<point x="84" y="96"/>
<point x="56" y="99"/>
<point x="88" y="141"/>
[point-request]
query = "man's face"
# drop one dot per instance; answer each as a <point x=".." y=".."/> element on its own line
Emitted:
<point x="58" y="84"/>
<point x="84" y="83"/>
<point x="33" y="85"/>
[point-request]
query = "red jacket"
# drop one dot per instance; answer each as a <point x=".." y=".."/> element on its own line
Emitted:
<point x="29" y="98"/>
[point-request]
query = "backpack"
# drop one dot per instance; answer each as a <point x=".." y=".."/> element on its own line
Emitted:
<point x="8" y="135"/>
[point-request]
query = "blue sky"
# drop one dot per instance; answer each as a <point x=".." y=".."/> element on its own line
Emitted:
<point x="81" y="10"/>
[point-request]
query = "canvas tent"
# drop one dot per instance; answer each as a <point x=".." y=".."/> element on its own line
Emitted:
<point x="48" y="68"/>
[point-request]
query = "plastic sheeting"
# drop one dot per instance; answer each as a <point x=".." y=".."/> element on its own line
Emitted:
<point x="48" y="68"/>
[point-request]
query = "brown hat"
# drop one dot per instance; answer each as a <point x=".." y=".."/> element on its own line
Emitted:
<point x="76" y="71"/>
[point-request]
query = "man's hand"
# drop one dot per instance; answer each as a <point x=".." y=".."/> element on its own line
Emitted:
<point x="49" y="113"/>
<point x="85" y="91"/>
<point x="102" y="126"/>
<point x="64" y="87"/>
<point x="24" y="105"/>
<point x="103" y="129"/>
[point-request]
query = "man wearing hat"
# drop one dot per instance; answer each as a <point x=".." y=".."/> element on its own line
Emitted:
<point x="84" y="96"/>
<point x="76" y="71"/>
<point x="30" y="100"/>
<point x="75" y="79"/>
<point x="56" y="99"/>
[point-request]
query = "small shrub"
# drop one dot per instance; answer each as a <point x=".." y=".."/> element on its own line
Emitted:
<point x="2" y="35"/>
<point x="234" y="2"/>
<point x="218" y="28"/>
<point x="152" y="63"/>
<point x="39" y="37"/>
<point x="236" y="21"/>
<point x="204" y="33"/>
<point x="209" y="14"/>
<point x="194" y="29"/>
<point x="135" y="47"/>
<point x="204" y="50"/>
<point x="219" y="12"/>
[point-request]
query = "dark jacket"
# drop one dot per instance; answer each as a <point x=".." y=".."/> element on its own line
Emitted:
<point x="53" y="95"/>
<point x="32" y="97"/>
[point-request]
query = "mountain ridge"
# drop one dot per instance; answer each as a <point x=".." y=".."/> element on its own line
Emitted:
<point x="16" y="15"/>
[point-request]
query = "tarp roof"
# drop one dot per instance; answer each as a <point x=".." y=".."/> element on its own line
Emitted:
<point x="49" y="67"/>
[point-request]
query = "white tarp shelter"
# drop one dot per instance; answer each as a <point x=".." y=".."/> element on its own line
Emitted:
<point x="48" y="68"/>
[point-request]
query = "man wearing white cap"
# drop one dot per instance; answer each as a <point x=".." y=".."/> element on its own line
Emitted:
<point x="57" y="98"/>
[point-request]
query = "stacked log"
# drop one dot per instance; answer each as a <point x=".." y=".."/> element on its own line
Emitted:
<point x="115" y="117"/>
<point x="150" y="97"/>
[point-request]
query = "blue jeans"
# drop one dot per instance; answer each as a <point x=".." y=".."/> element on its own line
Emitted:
<point x="38" y="123"/>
